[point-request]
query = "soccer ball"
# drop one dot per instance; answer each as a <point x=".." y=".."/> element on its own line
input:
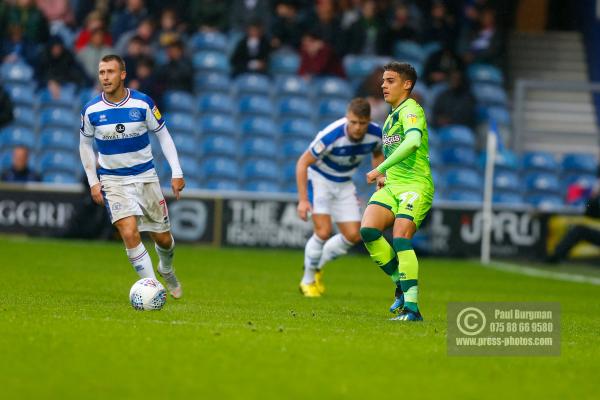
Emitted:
<point x="147" y="294"/>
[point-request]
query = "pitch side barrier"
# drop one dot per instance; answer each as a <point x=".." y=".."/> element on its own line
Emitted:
<point x="269" y="220"/>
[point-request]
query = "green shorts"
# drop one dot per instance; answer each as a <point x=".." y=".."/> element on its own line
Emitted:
<point x="405" y="201"/>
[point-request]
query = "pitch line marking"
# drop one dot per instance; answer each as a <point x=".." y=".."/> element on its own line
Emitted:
<point x="530" y="271"/>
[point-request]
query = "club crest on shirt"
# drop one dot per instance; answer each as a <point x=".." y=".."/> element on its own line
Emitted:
<point x="135" y="115"/>
<point x="156" y="113"/>
<point x="412" y="118"/>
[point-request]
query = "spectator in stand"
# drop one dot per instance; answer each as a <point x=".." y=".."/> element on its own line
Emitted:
<point x="209" y="15"/>
<point x="129" y="18"/>
<point x="30" y="20"/>
<point x="57" y="66"/>
<point x="137" y="48"/>
<point x="251" y="54"/>
<point x="365" y="36"/>
<point x="485" y="44"/>
<point x="440" y="64"/>
<point x="318" y="58"/>
<point x="326" y="23"/>
<point x="94" y="21"/>
<point x="456" y="105"/>
<point x="91" y="54"/>
<point x="400" y="28"/>
<point x="6" y="108"/>
<point x="178" y="72"/>
<point x="288" y="25"/>
<point x="441" y="27"/>
<point x="19" y="172"/>
<point x="370" y="88"/>
<point x="243" y="12"/>
<point x="146" y="31"/>
<point x="145" y="79"/>
<point x="169" y="27"/>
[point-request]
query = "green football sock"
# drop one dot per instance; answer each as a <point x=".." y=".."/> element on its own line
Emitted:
<point x="381" y="252"/>
<point x="408" y="267"/>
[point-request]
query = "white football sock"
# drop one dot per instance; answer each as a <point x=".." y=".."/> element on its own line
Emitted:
<point x="140" y="259"/>
<point x="166" y="257"/>
<point x="336" y="246"/>
<point x="312" y="255"/>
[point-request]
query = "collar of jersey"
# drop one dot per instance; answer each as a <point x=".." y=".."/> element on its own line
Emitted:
<point x="399" y="105"/>
<point x="110" y="103"/>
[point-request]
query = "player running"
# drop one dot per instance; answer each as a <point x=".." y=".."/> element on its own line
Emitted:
<point x="408" y="192"/>
<point x="119" y="121"/>
<point x="325" y="189"/>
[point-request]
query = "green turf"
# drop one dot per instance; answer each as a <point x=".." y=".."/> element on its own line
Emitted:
<point x="243" y="331"/>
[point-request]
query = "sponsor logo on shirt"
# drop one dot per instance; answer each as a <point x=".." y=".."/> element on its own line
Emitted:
<point x="319" y="147"/>
<point x="391" y="140"/>
<point x="120" y="128"/>
<point x="156" y="112"/>
<point x="412" y="118"/>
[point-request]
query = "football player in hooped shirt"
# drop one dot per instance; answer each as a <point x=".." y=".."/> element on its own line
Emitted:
<point x="119" y="121"/>
<point x="325" y="188"/>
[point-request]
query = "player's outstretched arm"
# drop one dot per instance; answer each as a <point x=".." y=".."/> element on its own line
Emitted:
<point x="168" y="148"/>
<point x="409" y="145"/>
<point x="305" y="160"/>
<point x="88" y="159"/>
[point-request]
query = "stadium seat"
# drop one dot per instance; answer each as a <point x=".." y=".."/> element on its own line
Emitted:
<point x="59" y="139"/>
<point x="181" y="122"/>
<point x="60" y="178"/>
<point x="223" y="184"/>
<point x="60" y="118"/>
<point x="260" y="148"/>
<point x="16" y="72"/>
<point x="292" y="149"/>
<point x="209" y="61"/>
<point x="191" y="183"/>
<point x="298" y="128"/>
<point x="430" y="48"/>
<point x="284" y="63"/>
<point x="540" y="161"/>
<point x="185" y="144"/>
<point x="252" y="84"/>
<point x="581" y="162"/>
<point x="465" y="196"/>
<point x="213" y="41"/>
<point x="64" y="100"/>
<point x="87" y="94"/>
<point x="220" y="168"/>
<point x="499" y="114"/>
<point x="295" y="107"/>
<point x="179" y="101"/>
<point x="545" y="201"/>
<point x="457" y="135"/>
<point x="216" y="103"/>
<point x="289" y="170"/>
<point x="408" y="50"/>
<point x="485" y="73"/>
<point x="584" y="180"/>
<point x="260" y="170"/>
<point x="218" y="124"/>
<point x="505" y="160"/>
<point x="255" y="105"/>
<point x="55" y="161"/>
<point x="435" y="157"/>
<point x="458" y="157"/>
<point x="12" y="136"/>
<point x="542" y="182"/>
<point x="26" y="117"/>
<point x="262" y="186"/>
<point x="259" y="127"/>
<point x="291" y="86"/>
<point x="289" y="187"/>
<point x="358" y="67"/>
<point x="220" y="145"/>
<point x="207" y="82"/>
<point x="332" y="109"/>
<point x="507" y="181"/>
<point x="489" y="94"/>
<point x="507" y="198"/>
<point x="463" y="178"/>
<point x="331" y="87"/>
<point x="22" y="95"/>
<point x="190" y="166"/>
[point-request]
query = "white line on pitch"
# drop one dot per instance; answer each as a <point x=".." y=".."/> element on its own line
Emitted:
<point x="530" y="271"/>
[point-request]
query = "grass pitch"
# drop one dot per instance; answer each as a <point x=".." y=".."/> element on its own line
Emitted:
<point x="243" y="331"/>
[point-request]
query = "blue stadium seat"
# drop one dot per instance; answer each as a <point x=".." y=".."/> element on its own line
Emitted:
<point x="59" y="139"/>
<point x="358" y="67"/>
<point x="191" y="183"/>
<point x="185" y="144"/>
<point x="54" y="161"/>
<point x="181" y="122"/>
<point x="457" y="135"/>
<point x="218" y="124"/>
<point x="260" y="170"/>
<point x="220" y="168"/>
<point x="580" y="162"/>
<point x="260" y="148"/>
<point x="223" y="184"/>
<point x="291" y="86"/>
<point x="220" y="145"/>
<point x="65" y="99"/>
<point x="459" y="157"/>
<point x="542" y="182"/>
<point x="436" y="176"/>
<point x="60" y="178"/>
<point x="284" y="63"/>
<point x="584" y="180"/>
<point x="215" y="41"/>
<point x="16" y="72"/>
<point x="408" y="50"/>
<point x="295" y="107"/>
<point x="507" y="181"/>
<point x="189" y="165"/>
<point x="507" y="198"/>
<point x="216" y="103"/>
<point x="545" y="201"/>
<point x="179" y="101"/>
<point x="332" y="108"/>
<point x="259" y="127"/>
<point x="61" y="118"/>
<point x="210" y="61"/>
<point x="289" y="187"/>
<point x="298" y="128"/>
<point x="252" y="84"/>
<point x="489" y="94"/>
<point x="22" y="95"/>
<point x="207" y="82"/>
<point x="540" y="161"/>
<point x="26" y="116"/>
<point x="505" y="160"/>
<point x="466" y="196"/>
<point x="12" y="136"/>
<point x="262" y="186"/>
<point x="292" y="149"/>
<point x="332" y="87"/>
<point x="289" y="170"/>
<point x="430" y="48"/>
<point x="255" y="105"/>
<point x="87" y="94"/>
<point x="6" y="158"/>
<point x="463" y="178"/>
<point x="499" y="114"/>
<point x="435" y="157"/>
<point x="485" y="73"/>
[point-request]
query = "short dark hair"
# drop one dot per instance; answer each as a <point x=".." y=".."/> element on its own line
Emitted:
<point x="114" y="57"/>
<point x="360" y="107"/>
<point x="405" y="70"/>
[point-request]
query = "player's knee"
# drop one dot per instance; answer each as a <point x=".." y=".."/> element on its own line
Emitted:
<point x="353" y="237"/>
<point x="370" y="234"/>
<point x="323" y="232"/>
<point x="164" y="240"/>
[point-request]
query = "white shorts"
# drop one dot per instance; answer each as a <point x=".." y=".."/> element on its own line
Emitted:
<point x="141" y="199"/>
<point x="337" y="199"/>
